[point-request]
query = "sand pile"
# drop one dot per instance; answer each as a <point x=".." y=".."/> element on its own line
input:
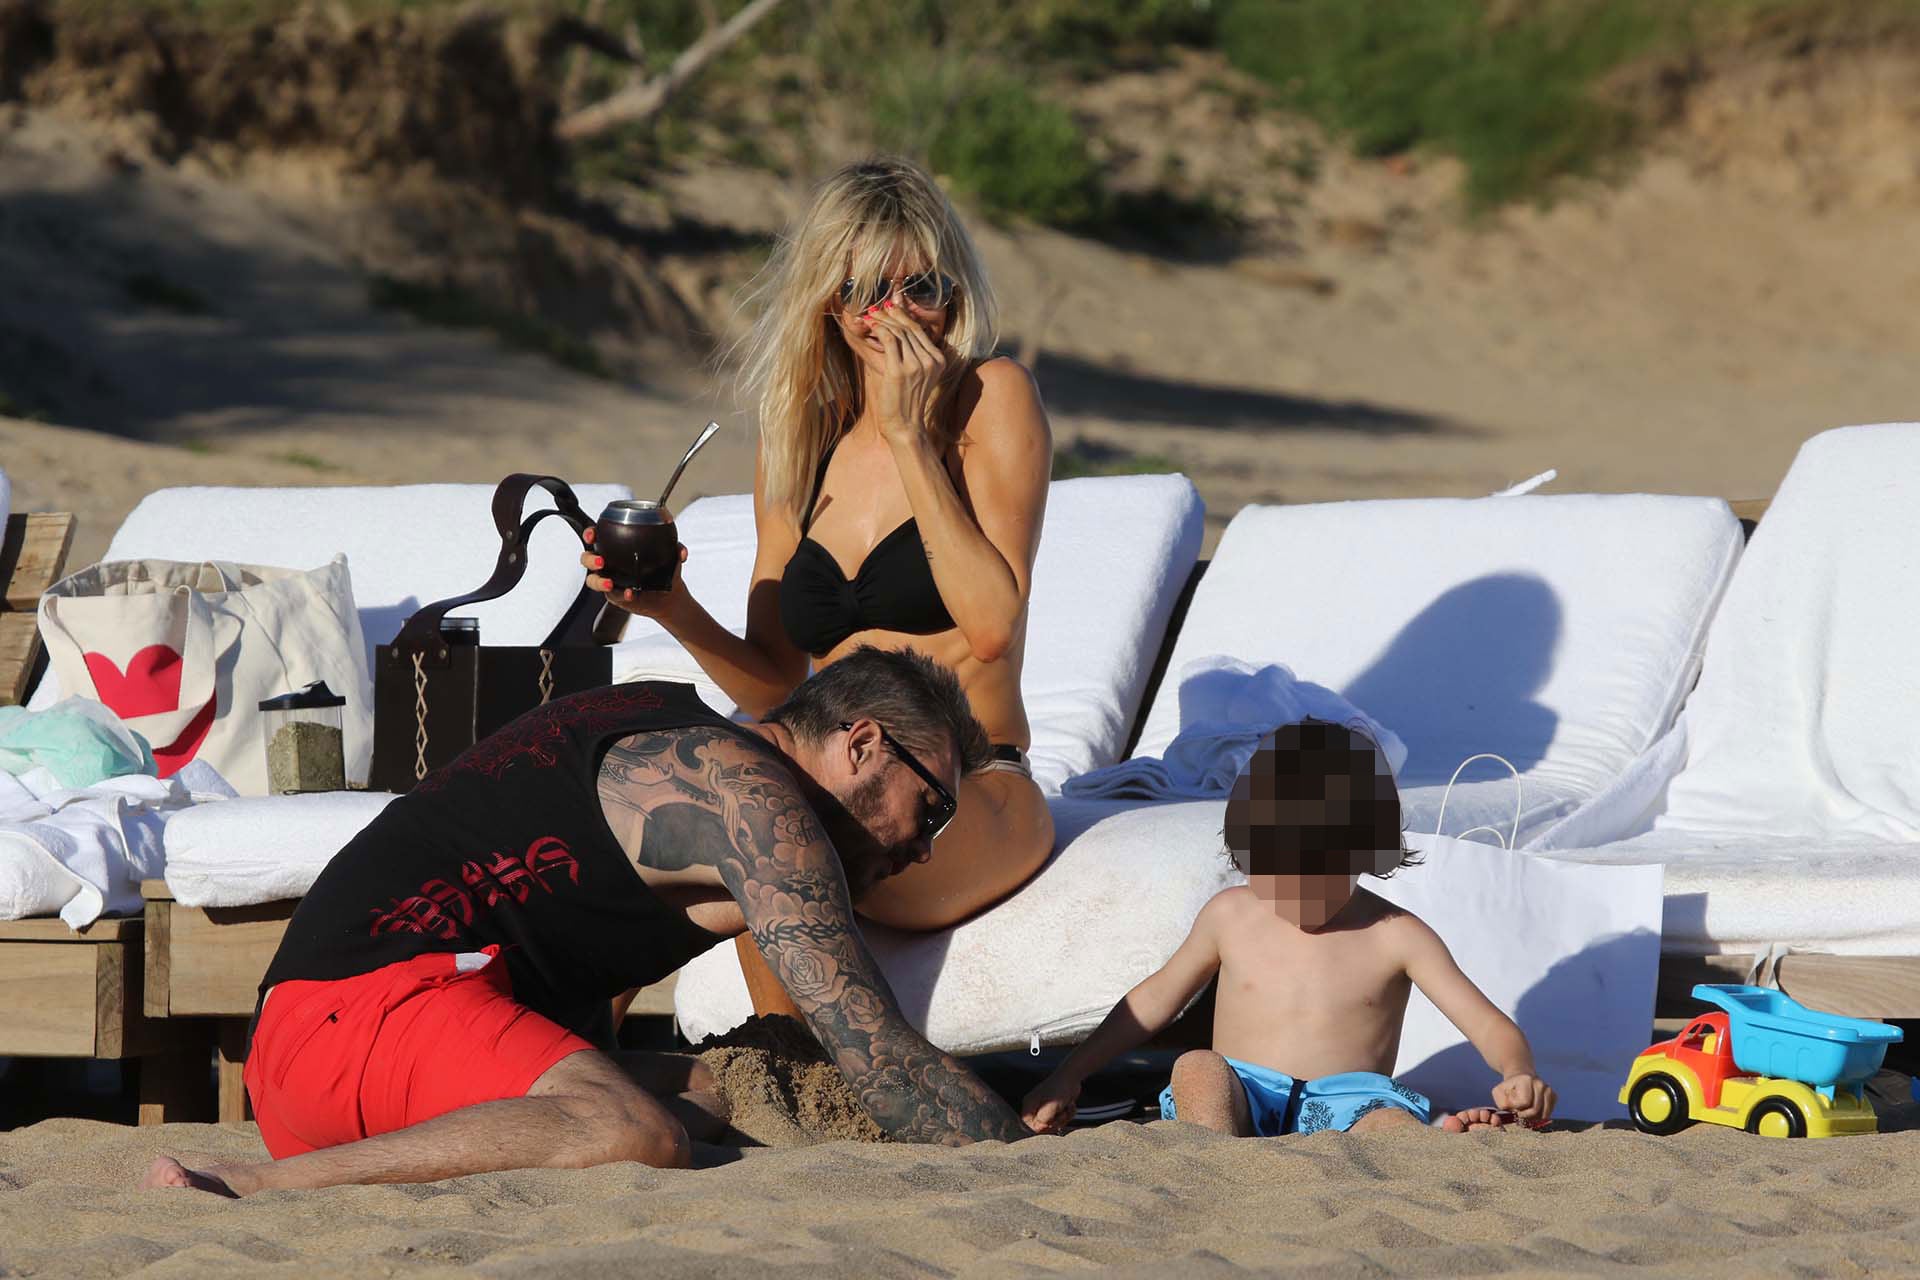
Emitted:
<point x="782" y="1089"/>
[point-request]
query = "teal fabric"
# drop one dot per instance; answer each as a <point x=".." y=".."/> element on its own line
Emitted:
<point x="79" y="742"/>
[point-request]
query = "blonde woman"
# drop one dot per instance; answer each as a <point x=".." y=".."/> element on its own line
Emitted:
<point x="898" y="499"/>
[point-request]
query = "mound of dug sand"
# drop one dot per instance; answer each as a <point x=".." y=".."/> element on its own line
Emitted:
<point x="782" y="1089"/>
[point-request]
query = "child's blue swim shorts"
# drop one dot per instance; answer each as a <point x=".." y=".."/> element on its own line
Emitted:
<point x="1281" y="1104"/>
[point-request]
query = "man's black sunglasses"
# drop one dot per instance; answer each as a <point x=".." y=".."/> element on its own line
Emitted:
<point x="937" y="815"/>
<point x="928" y="290"/>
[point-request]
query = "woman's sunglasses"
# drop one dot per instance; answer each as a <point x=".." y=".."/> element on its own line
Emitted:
<point x="936" y="816"/>
<point x="927" y="290"/>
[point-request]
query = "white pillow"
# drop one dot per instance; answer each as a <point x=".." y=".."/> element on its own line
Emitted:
<point x="1559" y="631"/>
<point x="1107" y="910"/>
<point x="1114" y="553"/>
<point x="406" y="546"/>
<point x="1805" y="721"/>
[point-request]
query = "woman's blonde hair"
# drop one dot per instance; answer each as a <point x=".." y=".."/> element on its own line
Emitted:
<point x="798" y="369"/>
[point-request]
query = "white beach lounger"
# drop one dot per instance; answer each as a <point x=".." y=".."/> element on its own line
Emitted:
<point x="406" y="545"/>
<point x="1560" y="632"/>
<point x="1793" y="823"/>
<point x="1114" y="553"/>
<point x="217" y="859"/>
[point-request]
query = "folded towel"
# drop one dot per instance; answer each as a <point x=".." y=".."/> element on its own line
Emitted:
<point x="1226" y="708"/>
<point x="262" y="848"/>
<point x="82" y="852"/>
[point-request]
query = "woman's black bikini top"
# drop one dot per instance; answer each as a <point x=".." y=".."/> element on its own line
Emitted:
<point x="893" y="590"/>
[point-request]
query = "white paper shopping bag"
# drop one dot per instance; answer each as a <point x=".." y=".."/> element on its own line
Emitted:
<point x="1569" y="952"/>
<point x="184" y="653"/>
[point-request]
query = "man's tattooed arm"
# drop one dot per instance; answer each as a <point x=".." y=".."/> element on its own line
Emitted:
<point x="718" y="800"/>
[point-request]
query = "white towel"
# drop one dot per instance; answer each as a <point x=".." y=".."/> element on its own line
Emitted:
<point x="82" y="853"/>
<point x="1226" y="708"/>
<point x="262" y="848"/>
<point x="6" y="496"/>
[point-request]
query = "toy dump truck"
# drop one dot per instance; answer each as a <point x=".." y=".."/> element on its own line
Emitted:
<point x="1767" y="1064"/>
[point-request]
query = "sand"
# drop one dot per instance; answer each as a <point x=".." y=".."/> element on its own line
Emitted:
<point x="780" y="1088"/>
<point x="1127" y="1199"/>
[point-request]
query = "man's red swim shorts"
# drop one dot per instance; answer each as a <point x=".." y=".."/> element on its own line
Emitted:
<point x="335" y="1062"/>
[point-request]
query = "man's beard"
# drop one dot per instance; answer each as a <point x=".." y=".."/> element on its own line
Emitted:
<point x="848" y="821"/>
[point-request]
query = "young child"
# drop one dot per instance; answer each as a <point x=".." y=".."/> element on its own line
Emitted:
<point x="1314" y="971"/>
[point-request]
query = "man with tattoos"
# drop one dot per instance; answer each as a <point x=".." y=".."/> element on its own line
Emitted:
<point x="427" y="1013"/>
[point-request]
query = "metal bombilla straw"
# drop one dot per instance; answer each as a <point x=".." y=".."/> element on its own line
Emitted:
<point x="708" y="434"/>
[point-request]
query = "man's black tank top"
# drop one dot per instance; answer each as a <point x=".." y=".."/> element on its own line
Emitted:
<point x="508" y="845"/>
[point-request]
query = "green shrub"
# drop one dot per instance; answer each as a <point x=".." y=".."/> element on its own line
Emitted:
<point x="1513" y="99"/>
<point x="1093" y="458"/>
<point x="994" y="139"/>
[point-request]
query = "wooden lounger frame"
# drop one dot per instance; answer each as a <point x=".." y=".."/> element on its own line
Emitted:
<point x="33" y="556"/>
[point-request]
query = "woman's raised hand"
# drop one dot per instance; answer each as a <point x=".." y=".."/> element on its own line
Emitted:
<point x="642" y="604"/>
<point x="910" y="366"/>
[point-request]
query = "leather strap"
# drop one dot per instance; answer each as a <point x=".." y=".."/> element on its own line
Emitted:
<point x="421" y="632"/>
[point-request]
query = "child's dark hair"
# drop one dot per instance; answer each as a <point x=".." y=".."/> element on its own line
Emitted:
<point x="1316" y="798"/>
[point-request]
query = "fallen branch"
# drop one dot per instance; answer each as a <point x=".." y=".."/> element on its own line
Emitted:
<point x="642" y="102"/>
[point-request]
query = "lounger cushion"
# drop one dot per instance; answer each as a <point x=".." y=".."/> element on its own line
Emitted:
<point x="1785" y="804"/>
<point x="1561" y="632"/>
<point x="406" y="546"/>
<point x="1742" y="894"/>
<point x="1114" y="554"/>
<point x="1106" y="911"/>
<point x="235" y="853"/>
<point x="1807" y="718"/>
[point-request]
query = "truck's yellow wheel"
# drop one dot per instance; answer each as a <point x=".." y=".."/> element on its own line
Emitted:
<point x="1658" y="1104"/>
<point x="1776" y="1118"/>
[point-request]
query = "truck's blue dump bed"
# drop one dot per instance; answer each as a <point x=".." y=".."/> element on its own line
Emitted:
<point x="1774" y="1035"/>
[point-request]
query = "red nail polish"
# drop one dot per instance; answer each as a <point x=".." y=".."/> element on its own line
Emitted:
<point x="889" y="304"/>
<point x="599" y="562"/>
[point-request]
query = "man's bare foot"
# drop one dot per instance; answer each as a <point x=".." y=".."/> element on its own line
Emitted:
<point x="1473" y="1119"/>
<point x="168" y="1172"/>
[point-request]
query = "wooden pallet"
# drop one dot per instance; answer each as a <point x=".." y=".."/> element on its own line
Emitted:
<point x="33" y="556"/>
<point x="78" y="994"/>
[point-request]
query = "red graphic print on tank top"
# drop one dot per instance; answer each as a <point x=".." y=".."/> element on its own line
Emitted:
<point x="444" y="910"/>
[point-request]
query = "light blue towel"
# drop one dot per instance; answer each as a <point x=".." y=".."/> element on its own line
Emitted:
<point x="77" y="740"/>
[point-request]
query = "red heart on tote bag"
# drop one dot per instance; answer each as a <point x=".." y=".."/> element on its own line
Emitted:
<point x="151" y="686"/>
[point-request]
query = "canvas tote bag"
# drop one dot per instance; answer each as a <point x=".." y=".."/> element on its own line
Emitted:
<point x="183" y="653"/>
<point x="434" y="699"/>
